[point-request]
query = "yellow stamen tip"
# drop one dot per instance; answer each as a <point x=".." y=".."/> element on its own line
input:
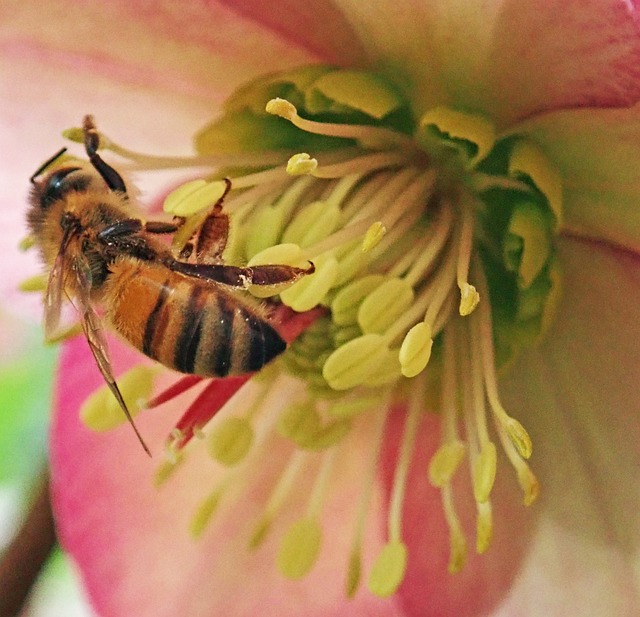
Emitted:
<point x="469" y="298"/>
<point x="445" y="462"/>
<point x="374" y="235"/>
<point x="74" y="134"/>
<point x="415" y="350"/>
<point x="259" y="533"/>
<point x="484" y="527"/>
<point x="519" y="437"/>
<point x="193" y="197"/>
<point x="484" y="472"/>
<point x="203" y="514"/>
<point x="301" y="165"/>
<point x="281" y="107"/>
<point x="352" y="363"/>
<point x="26" y="243"/>
<point x="101" y="411"/>
<point x="457" y="551"/>
<point x="34" y="283"/>
<point x="231" y="441"/>
<point x="299" y="549"/>
<point x="529" y="484"/>
<point x="354" y="572"/>
<point x="388" y="569"/>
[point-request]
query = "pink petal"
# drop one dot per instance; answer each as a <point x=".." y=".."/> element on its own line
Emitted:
<point x="319" y="27"/>
<point x="152" y="76"/>
<point x="508" y="58"/>
<point x="578" y="396"/>
<point x="130" y="539"/>
<point x="597" y="153"/>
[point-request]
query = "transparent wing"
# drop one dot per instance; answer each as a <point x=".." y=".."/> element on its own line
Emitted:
<point x="55" y="288"/>
<point x="93" y="331"/>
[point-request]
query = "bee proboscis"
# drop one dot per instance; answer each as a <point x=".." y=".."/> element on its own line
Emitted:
<point x="179" y="310"/>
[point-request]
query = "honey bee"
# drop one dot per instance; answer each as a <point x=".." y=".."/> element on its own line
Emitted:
<point x="183" y="311"/>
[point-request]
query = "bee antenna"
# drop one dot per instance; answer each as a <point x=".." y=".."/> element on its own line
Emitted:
<point x="46" y="164"/>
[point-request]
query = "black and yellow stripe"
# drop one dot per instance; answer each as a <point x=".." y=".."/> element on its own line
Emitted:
<point x="187" y="324"/>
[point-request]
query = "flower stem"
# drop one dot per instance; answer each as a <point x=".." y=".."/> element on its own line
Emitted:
<point x="25" y="557"/>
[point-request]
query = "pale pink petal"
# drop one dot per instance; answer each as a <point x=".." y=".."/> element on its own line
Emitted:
<point x="597" y="153"/>
<point x="151" y="74"/>
<point x="318" y="26"/>
<point x="508" y="58"/>
<point x="131" y="540"/>
<point x="578" y="396"/>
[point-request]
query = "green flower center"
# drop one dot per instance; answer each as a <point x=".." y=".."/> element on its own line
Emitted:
<point x="433" y="246"/>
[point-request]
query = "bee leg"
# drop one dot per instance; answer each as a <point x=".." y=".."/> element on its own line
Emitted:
<point x="91" y="144"/>
<point x="235" y="276"/>
<point x="211" y="237"/>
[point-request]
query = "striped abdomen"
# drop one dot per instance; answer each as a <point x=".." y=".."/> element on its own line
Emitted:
<point x="186" y="324"/>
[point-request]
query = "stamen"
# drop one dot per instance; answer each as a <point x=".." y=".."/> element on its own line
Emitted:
<point x="390" y="566"/>
<point x="354" y="568"/>
<point x="366" y="135"/>
<point x="469" y="296"/>
<point x="37" y="283"/>
<point x="301" y="543"/>
<point x="457" y="540"/>
<point x="302" y="163"/>
<point x="517" y="433"/>
<point x="278" y="497"/>
<point x="484" y="526"/>
<point x="153" y="162"/>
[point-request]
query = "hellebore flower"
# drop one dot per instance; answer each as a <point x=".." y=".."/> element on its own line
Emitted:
<point x="479" y="161"/>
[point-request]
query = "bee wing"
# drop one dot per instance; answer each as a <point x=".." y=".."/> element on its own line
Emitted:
<point x="93" y="331"/>
<point x="55" y="288"/>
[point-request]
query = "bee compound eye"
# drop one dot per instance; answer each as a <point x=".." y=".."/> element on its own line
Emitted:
<point x="58" y="184"/>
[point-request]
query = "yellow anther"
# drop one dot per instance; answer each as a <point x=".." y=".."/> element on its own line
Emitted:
<point x="26" y="243"/>
<point x="445" y="462"/>
<point x="230" y="441"/>
<point x="34" y="283"/>
<point x="457" y="551"/>
<point x="484" y="527"/>
<point x="344" y="308"/>
<point x="529" y="484"/>
<point x="260" y="532"/>
<point x="354" y="572"/>
<point x="281" y="107"/>
<point x="519" y="437"/>
<point x="415" y="350"/>
<point x="469" y="298"/>
<point x="374" y="235"/>
<point x="101" y="411"/>
<point x="193" y="197"/>
<point x="203" y="514"/>
<point x="301" y="164"/>
<point x="484" y="472"/>
<point x="299" y="549"/>
<point x="310" y="291"/>
<point x="388" y="569"/>
<point x="384" y="305"/>
<point x="351" y="364"/>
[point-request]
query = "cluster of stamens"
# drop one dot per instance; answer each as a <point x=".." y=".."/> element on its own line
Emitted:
<point x="407" y="315"/>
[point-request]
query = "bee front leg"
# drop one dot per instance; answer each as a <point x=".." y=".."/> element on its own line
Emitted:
<point x="91" y="144"/>
<point x="210" y="239"/>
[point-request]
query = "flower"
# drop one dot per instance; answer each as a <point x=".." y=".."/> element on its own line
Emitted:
<point x="481" y="118"/>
